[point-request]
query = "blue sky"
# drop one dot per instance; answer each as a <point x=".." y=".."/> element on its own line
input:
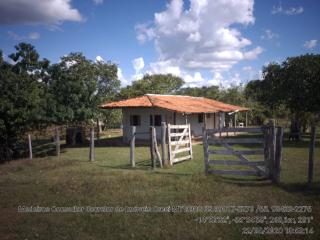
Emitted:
<point x="205" y="42"/>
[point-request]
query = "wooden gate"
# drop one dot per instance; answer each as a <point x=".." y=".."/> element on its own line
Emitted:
<point x="179" y="143"/>
<point x="267" y="151"/>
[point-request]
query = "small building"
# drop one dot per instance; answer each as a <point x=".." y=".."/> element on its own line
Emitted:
<point x="153" y="109"/>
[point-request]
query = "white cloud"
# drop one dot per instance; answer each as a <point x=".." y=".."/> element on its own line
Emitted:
<point x="268" y="34"/>
<point x="34" y="35"/>
<point x="144" y="32"/>
<point x="289" y="11"/>
<point x="276" y="9"/>
<point x="98" y="2"/>
<point x="99" y="59"/>
<point x="310" y="44"/>
<point x="201" y="37"/>
<point x="50" y="12"/>
<point x="138" y="64"/>
<point x="294" y="11"/>
<point x="18" y="37"/>
<point x="196" y="78"/>
<point x="253" y="54"/>
<point x="216" y="80"/>
<point x="247" y="69"/>
<point x="120" y="76"/>
<point x="223" y="81"/>
<point x="165" y="67"/>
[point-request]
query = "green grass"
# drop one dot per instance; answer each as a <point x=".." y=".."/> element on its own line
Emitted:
<point x="109" y="181"/>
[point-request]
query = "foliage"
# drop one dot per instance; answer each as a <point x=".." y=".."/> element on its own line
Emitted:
<point x="21" y="107"/>
<point x="156" y="84"/>
<point x="292" y="85"/>
<point x="111" y="118"/>
<point x="208" y="92"/>
<point x="79" y="86"/>
<point x="35" y="94"/>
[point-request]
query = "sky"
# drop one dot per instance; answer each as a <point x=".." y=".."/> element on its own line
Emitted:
<point x="205" y="42"/>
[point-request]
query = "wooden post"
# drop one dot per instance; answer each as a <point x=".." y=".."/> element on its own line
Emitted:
<point x="163" y="143"/>
<point x="157" y="154"/>
<point x="205" y="120"/>
<point x="57" y="142"/>
<point x="190" y="141"/>
<point x="91" y="154"/>
<point x="169" y="144"/>
<point x="152" y="150"/>
<point x="266" y="131"/>
<point x="205" y="150"/>
<point x="278" y="156"/>
<point x="311" y="155"/>
<point x="272" y="147"/>
<point x="220" y="123"/>
<point x="30" y="146"/>
<point x="132" y="146"/>
<point x="235" y="123"/>
<point x="246" y="119"/>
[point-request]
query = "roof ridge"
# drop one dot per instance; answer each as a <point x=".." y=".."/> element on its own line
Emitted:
<point x="148" y="96"/>
<point x="170" y="95"/>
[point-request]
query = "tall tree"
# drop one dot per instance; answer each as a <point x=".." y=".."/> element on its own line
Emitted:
<point x="79" y="86"/>
<point x="21" y="106"/>
<point x="294" y="84"/>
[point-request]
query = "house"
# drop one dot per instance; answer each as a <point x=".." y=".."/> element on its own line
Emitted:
<point x="152" y="109"/>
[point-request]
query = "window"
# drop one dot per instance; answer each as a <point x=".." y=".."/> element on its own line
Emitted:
<point x="157" y="120"/>
<point x="200" y="118"/>
<point x="135" y="120"/>
<point x="151" y="120"/>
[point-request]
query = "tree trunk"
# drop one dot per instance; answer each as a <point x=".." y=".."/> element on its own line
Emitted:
<point x="75" y="135"/>
<point x="295" y="128"/>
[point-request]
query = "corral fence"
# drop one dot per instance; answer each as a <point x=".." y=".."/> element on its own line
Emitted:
<point x="48" y="141"/>
<point x="261" y="156"/>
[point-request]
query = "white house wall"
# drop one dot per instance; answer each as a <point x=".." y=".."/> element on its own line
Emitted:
<point x="166" y="116"/>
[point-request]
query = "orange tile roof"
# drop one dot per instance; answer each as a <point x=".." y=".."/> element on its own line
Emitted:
<point x="177" y="103"/>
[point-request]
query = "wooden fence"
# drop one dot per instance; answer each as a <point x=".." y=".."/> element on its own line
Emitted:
<point x="179" y="142"/>
<point x="154" y="151"/>
<point x="56" y="137"/>
<point x="267" y="164"/>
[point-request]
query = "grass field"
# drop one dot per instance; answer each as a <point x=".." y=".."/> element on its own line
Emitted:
<point x="109" y="181"/>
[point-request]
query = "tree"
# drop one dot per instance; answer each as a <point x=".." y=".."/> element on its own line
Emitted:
<point x="212" y="92"/>
<point x="79" y="86"/>
<point x="20" y="107"/>
<point x="292" y="85"/>
<point x="156" y="84"/>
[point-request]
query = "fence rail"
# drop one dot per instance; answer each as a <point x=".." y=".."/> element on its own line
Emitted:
<point x="269" y="154"/>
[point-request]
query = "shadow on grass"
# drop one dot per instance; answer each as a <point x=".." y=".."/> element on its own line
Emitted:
<point x="141" y="165"/>
<point x="45" y="148"/>
<point x="244" y="181"/>
<point x="110" y="142"/>
<point x="301" y="188"/>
